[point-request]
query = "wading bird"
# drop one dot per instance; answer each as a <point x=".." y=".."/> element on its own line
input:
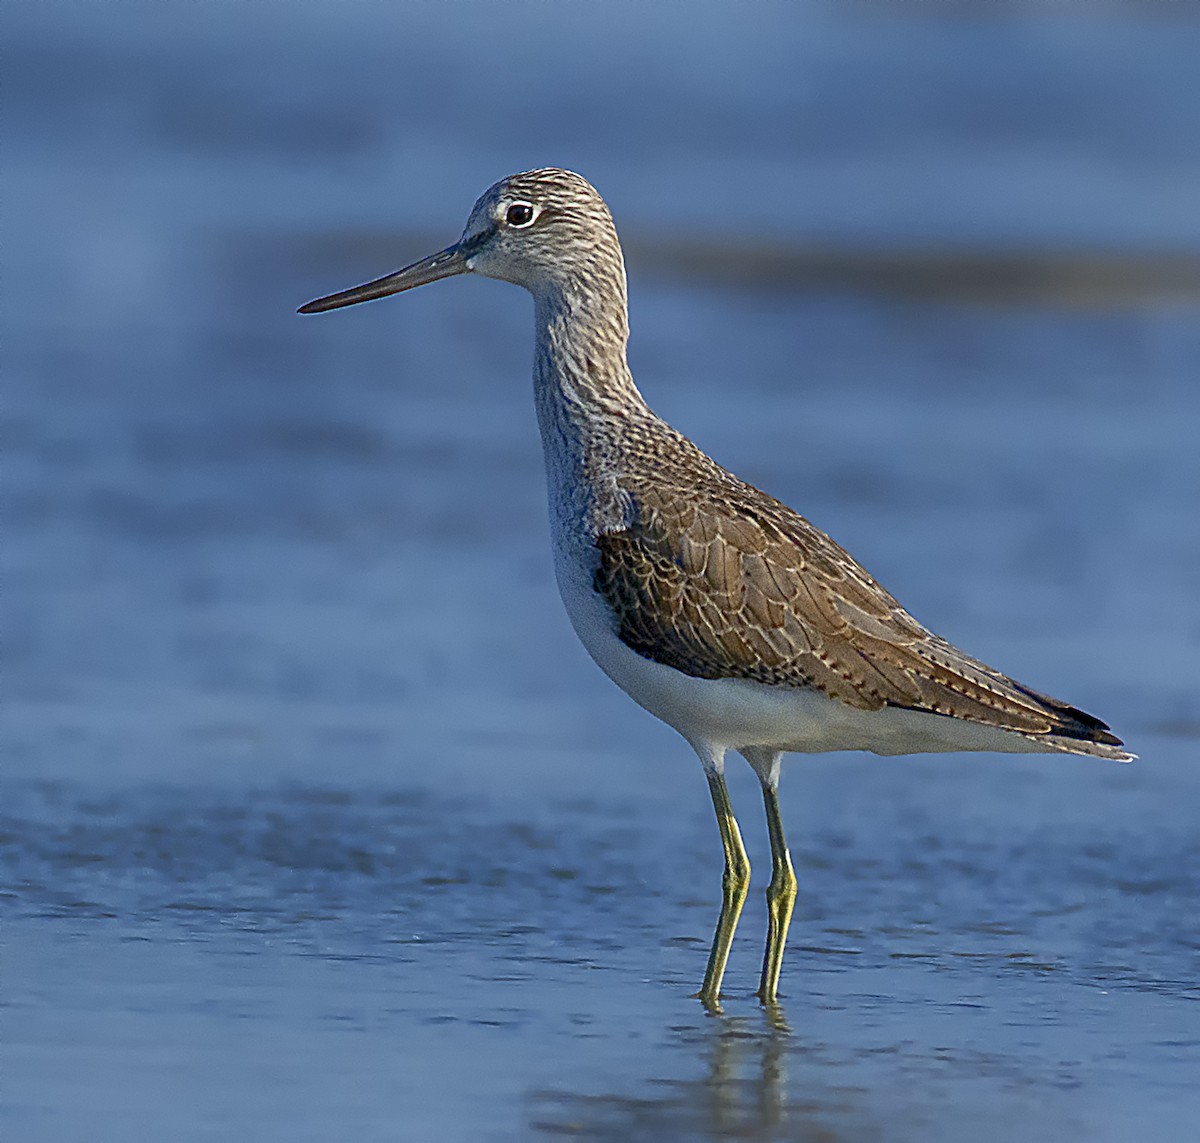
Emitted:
<point x="710" y="603"/>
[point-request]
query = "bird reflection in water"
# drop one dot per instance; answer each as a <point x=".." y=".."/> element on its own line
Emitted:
<point x="742" y="1092"/>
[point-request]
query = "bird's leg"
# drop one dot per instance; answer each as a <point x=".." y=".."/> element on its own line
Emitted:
<point x="781" y="893"/>
<point x="734" y="886"/>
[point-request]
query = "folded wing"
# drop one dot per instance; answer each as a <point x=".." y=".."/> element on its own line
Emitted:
<point x="737" y="585"/>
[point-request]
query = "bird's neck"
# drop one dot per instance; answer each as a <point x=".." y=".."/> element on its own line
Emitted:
<point x="582" y="329"/>
<point x="586" y="400"/>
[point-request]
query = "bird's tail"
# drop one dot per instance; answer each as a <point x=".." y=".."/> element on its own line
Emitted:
<point x="1075" y="731"/>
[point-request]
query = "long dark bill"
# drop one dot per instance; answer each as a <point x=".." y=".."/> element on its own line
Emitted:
<point x="445" y="264"/>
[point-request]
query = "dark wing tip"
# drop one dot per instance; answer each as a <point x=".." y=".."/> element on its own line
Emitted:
<point x="1071" y="722"/>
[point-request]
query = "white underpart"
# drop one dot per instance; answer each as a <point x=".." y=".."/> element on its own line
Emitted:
<point x="716" y="715"/>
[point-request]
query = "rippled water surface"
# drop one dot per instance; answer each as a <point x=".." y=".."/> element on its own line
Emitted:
<point x="316" y="822"/>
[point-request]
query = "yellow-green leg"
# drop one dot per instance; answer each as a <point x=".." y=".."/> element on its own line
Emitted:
<point x="734" y="886"/>
<point x="781" y="896"/>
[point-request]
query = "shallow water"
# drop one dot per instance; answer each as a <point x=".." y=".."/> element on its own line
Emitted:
<point x="316" y="962"/>
<point x="316" y="820"/>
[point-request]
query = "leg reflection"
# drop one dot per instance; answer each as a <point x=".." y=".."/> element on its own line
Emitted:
<point x="747" y="1079"/>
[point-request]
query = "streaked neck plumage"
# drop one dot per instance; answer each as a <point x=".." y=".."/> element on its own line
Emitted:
<point x="585" y="395"/>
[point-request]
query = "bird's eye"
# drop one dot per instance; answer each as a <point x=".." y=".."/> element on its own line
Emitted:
<point x="519" y="214"/>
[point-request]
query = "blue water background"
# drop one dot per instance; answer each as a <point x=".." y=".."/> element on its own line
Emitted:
<point x="317" y="822"/>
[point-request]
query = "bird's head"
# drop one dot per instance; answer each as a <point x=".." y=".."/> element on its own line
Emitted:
<point x="540" y="229"/>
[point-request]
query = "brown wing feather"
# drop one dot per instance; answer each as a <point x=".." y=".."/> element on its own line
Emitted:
<point x="740" y="586"/>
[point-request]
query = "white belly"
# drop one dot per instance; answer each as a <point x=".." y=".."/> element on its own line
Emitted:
<point x="738" y="713"/>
